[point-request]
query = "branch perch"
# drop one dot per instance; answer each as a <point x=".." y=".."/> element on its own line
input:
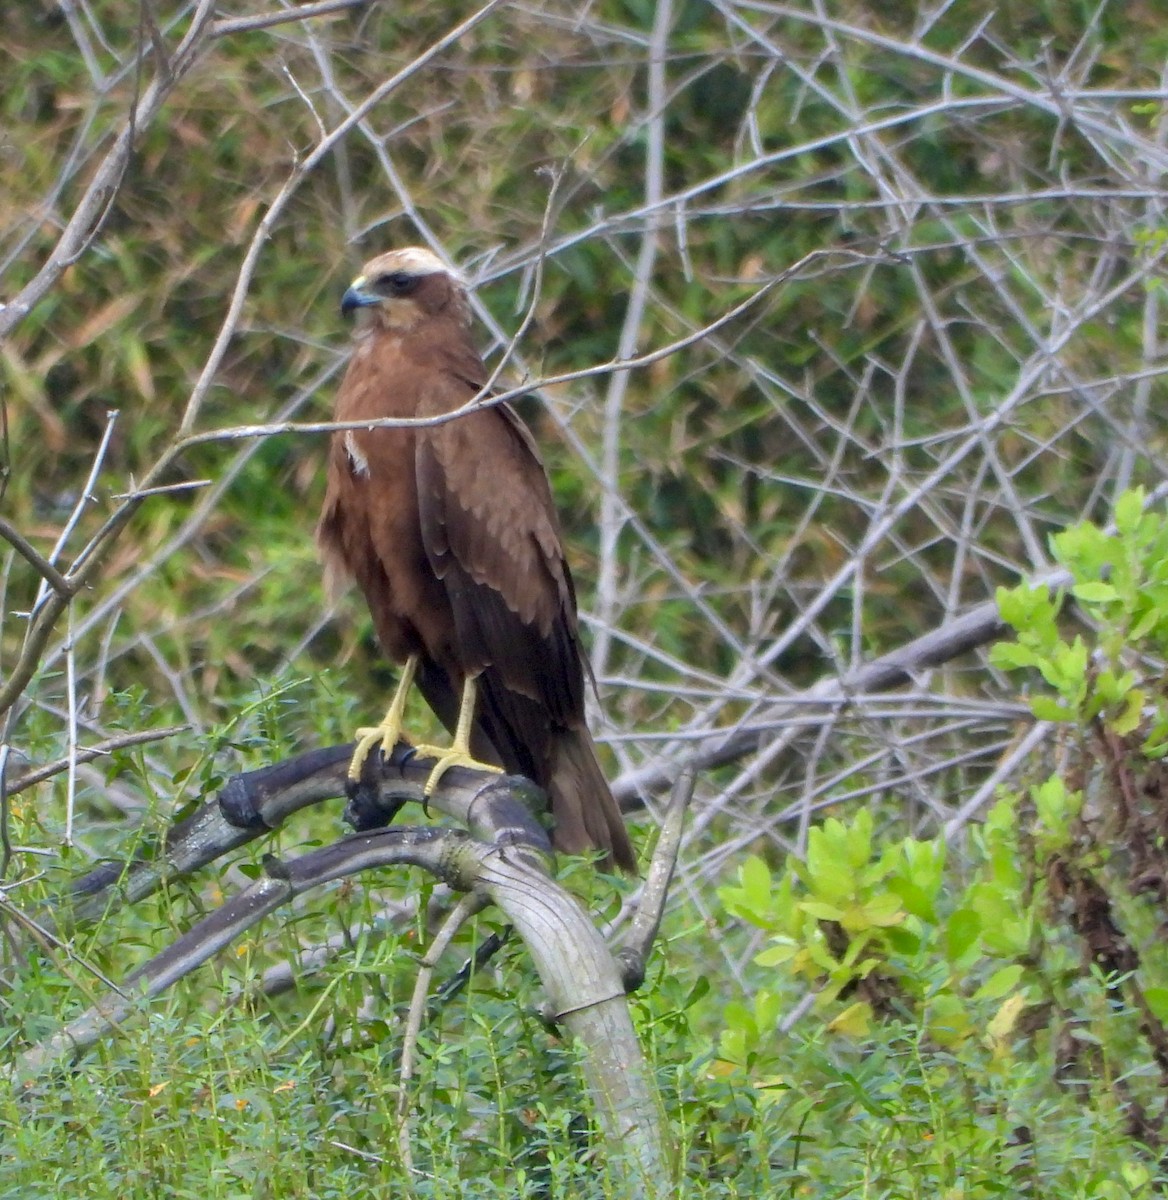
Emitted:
<point x="503" y="859"/>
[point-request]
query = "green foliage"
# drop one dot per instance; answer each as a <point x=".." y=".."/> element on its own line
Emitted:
<point x="956" y="994"/>
<point x="996" y="981"/>
<point x="864" y="928"/>
<point x="1119" y="581"/>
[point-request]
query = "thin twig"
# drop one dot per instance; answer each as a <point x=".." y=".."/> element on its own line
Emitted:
<point x="611" y="515"/>
<point x="642" y="933"/>
<point x="462" y="912"/>
<point x="302" y="12"/>
<point x="40" y="564"/>
<point x="122" y="741"/>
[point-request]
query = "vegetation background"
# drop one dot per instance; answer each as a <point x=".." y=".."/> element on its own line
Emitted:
<point x="860" y="304"/>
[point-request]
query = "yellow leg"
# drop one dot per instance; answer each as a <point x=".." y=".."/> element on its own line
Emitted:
<point x="389" y="731"/>
<point x="458" y="754"/>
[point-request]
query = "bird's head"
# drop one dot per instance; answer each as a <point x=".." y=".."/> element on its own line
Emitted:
<point x="404" y="287"/>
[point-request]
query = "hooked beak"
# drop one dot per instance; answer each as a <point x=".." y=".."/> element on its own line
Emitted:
<point x="357" y="297"/>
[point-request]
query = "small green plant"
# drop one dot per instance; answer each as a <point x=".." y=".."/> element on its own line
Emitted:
<point x="1029" y="961"/>
<point x="872" y="933"/>
<point x="1120" y="584"/>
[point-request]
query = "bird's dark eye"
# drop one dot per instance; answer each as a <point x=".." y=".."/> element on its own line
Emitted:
<point x="398" y="283"/>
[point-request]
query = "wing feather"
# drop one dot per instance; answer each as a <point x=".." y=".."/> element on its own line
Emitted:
<point x="490" y="533"/>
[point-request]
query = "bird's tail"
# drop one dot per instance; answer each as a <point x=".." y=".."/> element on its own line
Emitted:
<point x="585" y="810"/>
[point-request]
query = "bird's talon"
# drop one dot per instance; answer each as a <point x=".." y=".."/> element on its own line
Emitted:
<point x="450" y="756"/>
<point x="368" y="736"/>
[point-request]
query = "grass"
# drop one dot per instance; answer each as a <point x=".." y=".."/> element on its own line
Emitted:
<point x="227" y="1100"/>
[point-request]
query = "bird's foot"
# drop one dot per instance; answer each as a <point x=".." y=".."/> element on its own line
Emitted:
<point x="388" y="731"/>
<point x="387" y="735"/>
<point x="455" y="755"/>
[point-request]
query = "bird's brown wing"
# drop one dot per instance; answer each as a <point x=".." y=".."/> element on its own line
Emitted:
<point x="491" y="536"/>
<point x="490" y="533"/>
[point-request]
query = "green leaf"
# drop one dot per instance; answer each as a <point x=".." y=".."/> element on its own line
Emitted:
<point x="1004" y="1021"/>
<point x="753" y="899"/>
<point x="855" y="1021"/>
<point x="699" y="990"/>
<point x="1011" y="656"/>
<point x="755" y="877"/>
<point x="1003" y="981"/>
<point x="879" y="911"/>
<point x="1128" y="718"/>
<point x="902" y="940"/>
<point x="1096" y="592"/>
<point x="735" y="1015"/>
<point x="1010" y="607"/>
<point x="1129" y="508"/>
<point x="859" y="839"/>
<point x="822" y="911"/>
<point x="1052" y="801"/>
<point x="1085" y="549"/>
<point x="948" y="1020"/>
<point x="914" y="898"/>
<point x="768" y="1007"/>
<point x="826" y="870"/>
<point x="1136" y="1175"/>
<point x="1157" y="998"/>
<point x="1046" y="708"/>
<point x="1145" y="625"/>
<point x="961" y="932"/>
<point x="820" y="955"/>
<point x="781" y="950"/>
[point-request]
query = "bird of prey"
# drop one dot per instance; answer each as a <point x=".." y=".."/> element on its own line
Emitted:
<point x="451" y="533"/>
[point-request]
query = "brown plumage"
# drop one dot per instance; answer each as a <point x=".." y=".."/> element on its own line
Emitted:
<point x="451" y="533"/>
